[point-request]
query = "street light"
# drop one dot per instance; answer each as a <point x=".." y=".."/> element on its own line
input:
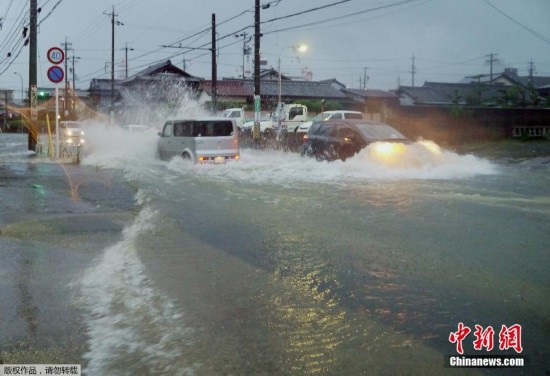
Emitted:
<point x="22" y="90"/>
<point x="296" y="48"/>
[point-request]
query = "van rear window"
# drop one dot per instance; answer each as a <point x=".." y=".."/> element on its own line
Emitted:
<point x="217" y="128"/>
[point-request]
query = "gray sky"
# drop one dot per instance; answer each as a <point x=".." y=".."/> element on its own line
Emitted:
<point x="449" y="39"/>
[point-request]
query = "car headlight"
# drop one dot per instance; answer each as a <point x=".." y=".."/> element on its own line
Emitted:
<point x="387" y="152"/>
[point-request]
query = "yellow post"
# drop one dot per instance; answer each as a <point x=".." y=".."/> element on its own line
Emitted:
<point x="50" y="146"/>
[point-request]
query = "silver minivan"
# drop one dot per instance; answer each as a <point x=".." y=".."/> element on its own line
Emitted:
<point x="201" y="140"/>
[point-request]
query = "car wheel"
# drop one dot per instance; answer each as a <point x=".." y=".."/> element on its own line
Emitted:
<point x="187" y="157"/>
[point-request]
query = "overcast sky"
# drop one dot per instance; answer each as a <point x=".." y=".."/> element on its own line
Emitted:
<point x="449" y="39"/>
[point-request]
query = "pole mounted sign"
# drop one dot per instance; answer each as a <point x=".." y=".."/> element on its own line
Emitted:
<point x="56" y="55"/>
<point x="56" y="74"/>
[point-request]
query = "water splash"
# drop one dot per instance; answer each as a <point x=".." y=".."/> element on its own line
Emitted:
<point x="126" y="318"/>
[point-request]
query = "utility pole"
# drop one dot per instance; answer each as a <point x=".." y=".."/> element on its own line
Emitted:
<point x="257" y="96"/>
<point x="214" y="65"/>
<point x="531" y="71"/>
<point x="365" y="77"/>
<point x="492" y="59"/>
<point x="113" y="21"/>
<point x="66" y="96"/>
<point x="33" y="128"/>
<point x="73" y="103"/>
<point x="126" y="49"/>
<point x="413" y="70"/>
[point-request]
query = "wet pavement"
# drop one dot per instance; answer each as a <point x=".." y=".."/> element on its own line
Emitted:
<point x="275" y="265"/>
<point x="54" y="219"/>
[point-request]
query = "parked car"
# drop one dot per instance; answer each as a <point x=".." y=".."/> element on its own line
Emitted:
<point x="202" y="140"/>
<point x="330" y="115"/>
<point x="340" y="139"/>
<point x="265" y="123"/>
<point x="71" y="133"/>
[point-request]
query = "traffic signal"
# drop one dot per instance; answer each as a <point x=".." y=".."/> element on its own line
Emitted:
<point x="41" y="94"/>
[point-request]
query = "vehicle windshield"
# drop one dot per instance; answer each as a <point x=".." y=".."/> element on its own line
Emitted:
<point x="379" y="132"/>
<point x="231" y="113"/>
<point x="321" y="116"/>
<point x="69" y="124"/>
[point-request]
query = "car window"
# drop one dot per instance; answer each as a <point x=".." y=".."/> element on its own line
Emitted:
<point x="318" y="117"/>
<point x="326" y="129"/>
<point x="167" y="131"/>
<point x="346" y="132"/>
<point x="353" y="115"/>
<point x="295" y="111"/>
<point x="379" y="132"/>
<point x="314" y="129"/>
<point x="213" y="128"/>
<point x="183" y="129"/>
<point x="336" y="116"/>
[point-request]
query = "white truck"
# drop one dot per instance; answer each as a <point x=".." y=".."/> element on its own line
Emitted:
<point x="291" y="116"/>
<point x="236" y="114"/>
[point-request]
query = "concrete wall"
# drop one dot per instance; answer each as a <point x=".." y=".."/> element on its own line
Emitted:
<point x="459" y="125"/>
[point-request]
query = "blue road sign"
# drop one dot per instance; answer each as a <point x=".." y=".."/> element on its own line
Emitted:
<point x="56" y="74"/>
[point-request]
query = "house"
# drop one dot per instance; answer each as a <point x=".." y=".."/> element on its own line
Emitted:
<point x="242" y="91"/>
<point x="484" y="89"/>
<point x="449" y="94"/>
<point x="156" y="82"/>
<point x="376" y="102"/>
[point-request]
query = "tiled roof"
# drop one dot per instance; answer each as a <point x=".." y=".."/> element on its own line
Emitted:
<point x="165" y="67"/>
<point x="299" y="89"/>
<point x="443" y="93"/>
<point x="371" y="93"/>
<point x="294" y="89"/>
<point x="227" y="88"/>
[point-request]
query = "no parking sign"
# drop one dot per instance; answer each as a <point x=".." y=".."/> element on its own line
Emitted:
<point x="55" y="73"/>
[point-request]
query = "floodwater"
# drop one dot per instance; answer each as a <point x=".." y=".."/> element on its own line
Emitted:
<point x="278" y="265"/>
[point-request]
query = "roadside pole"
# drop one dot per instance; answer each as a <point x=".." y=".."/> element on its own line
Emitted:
<point x="56" y="121"/>
<point x="56" y="75"/>
<point x="256" y="133"/>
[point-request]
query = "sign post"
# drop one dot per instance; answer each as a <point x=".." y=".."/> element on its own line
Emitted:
<point x="56" y="75"/>
<point x="256" y="130"/>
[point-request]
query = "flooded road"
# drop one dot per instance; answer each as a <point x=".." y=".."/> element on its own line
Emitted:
<point x="280" y="265"/>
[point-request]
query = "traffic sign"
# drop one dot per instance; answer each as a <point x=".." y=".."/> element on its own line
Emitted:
<point x="56" y="55"/>
<point x="56" y="74"/>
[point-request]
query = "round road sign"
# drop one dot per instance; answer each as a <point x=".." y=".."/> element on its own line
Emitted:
<point x="56" y="74"/>
<point x="56" y="55"/>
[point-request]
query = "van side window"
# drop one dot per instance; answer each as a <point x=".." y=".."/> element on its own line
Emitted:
<point x="213" y="128"/>
<point x="183" y="129"/>
<point x="352" y="115"/>
<point x="167" y="131"/>
<point x="200" y="129"/>
<point x="223" y="128"/>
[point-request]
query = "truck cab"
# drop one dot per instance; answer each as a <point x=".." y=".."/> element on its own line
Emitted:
<point x="290" y="116"/>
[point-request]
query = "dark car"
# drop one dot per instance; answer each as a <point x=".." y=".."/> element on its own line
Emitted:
<point x="341" y="139"/>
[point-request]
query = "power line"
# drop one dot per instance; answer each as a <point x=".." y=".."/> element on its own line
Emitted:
<point x="537" y="34"/>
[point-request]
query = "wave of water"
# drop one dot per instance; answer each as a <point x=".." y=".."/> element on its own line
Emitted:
<point x="116" y="148"/>
<point x="127" y="318"/>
